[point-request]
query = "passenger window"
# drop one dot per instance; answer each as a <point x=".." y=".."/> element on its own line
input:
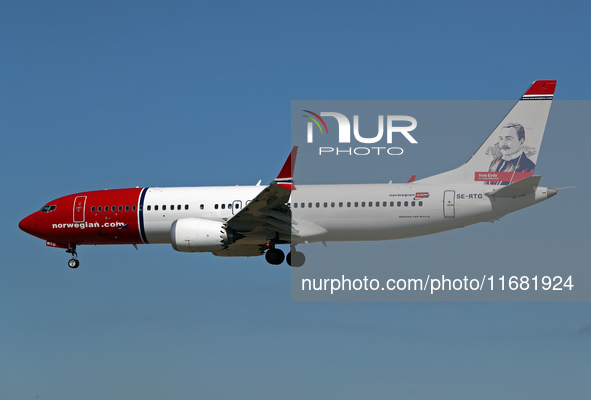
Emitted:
<point x="295" y="205"/>
<point x="155" y="208"/>
<point x="149" y="208"/>
<point x="369" y="204"/>
<point x="120" y="208"/>
<point x="223" y="206"/>
<point x="363" y="204"/>
<point x="164" y="207"/>
<point x="420" y="204"/>
<point x="230" y="206"/>
<point x="356" y="204"/>
<point x="412" y="203"/>
<point x="216" y="206"/>
<point x="348" y="204"/>
<point x="317" y="205"/>
<point x="100" y="208"/>
<point x="113" y="208"/>
<point x="377" y="203"/>
<point x="340" y="203"/>
<point x="133" y="208"/>
<point x="92" y="209"/>
<point x="309" y="205"/>
<point x="385" y="204"/>
<point x="391" y="204"/>
<point x="178" y="207"/>
<point x="399" y="204"/>
<point x="126" y="208"/>
<point x="332" y="204"/>
<point x="303" y="205"/>
<point x="406" y="204"/>
<point x="202" y="206"/>
<point x="325" y="204"/>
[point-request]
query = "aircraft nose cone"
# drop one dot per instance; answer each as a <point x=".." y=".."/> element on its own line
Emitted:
<point x="28" y="225"/>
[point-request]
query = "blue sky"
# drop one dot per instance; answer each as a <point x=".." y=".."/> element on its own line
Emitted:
<point x="112" y="94"/>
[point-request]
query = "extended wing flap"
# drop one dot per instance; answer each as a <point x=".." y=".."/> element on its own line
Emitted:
<point x="272" y="199"/>
<point x="268" y="211"/>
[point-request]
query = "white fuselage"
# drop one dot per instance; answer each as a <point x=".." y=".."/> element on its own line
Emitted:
<point x="354" y="212"/>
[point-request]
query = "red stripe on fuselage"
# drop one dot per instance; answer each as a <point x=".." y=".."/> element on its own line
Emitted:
<point x="116" y="223"/>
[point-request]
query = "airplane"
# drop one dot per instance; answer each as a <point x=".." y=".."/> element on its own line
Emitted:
<point x="245" y="221"/>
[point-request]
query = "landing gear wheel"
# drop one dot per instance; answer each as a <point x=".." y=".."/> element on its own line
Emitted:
<point x="274" y="256"/>
<point x="296" y="258"/>
<point x="73" y="263"/>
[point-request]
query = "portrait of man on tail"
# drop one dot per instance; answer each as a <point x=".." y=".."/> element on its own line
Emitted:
<point x="510" y="154"/>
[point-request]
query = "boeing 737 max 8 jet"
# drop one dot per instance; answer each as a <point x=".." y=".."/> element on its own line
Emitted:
<point x="244" y="221"/>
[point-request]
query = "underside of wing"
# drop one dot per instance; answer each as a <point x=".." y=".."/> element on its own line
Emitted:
<point x="267" y="218"/>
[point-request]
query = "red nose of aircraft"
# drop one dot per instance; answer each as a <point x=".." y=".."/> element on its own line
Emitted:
<point x="29" y="224"/>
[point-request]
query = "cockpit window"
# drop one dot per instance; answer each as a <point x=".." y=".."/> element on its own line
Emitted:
<point x="47" y="209"/>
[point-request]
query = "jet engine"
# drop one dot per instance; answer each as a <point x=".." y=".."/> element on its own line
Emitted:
<point x="198" y="235"/>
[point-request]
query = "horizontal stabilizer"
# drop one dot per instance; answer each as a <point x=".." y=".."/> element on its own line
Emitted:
<point x="517" y="189"/>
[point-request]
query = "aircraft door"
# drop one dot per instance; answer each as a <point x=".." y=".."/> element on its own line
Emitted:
<point x="79" y="208"/>
<point x="236" y="206"/>
<point x="449" y="204"/>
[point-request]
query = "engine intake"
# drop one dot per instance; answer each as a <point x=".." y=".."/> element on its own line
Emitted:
<point x="198" y="235"/>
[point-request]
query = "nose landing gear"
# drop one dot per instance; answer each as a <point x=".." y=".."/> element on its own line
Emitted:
<point x="73" y="262"/>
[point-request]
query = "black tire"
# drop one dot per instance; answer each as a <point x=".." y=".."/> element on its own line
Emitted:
<point x="297" y="260"/>
<point x="274" y="256"/>
<point x="73" y="263"/>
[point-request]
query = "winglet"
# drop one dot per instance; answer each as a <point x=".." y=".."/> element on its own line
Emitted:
<point x="412" y="179"/>
<point x="285" y="177"/>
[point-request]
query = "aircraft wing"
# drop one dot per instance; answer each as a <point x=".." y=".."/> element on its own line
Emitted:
<point x="267" y="214"/>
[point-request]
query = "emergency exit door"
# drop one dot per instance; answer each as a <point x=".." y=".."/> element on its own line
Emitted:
<point x="236" y="206"/>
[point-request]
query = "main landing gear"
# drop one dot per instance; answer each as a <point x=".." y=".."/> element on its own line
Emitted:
<point x="295" y="258"/>
<point x="276" y="256"/>
<point x="73" y="262"/>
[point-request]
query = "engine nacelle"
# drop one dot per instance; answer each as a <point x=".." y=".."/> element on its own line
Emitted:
<point x="198" y="235"/>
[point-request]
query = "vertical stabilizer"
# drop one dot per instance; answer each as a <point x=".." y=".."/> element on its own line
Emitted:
<point x="511" y="151"/>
